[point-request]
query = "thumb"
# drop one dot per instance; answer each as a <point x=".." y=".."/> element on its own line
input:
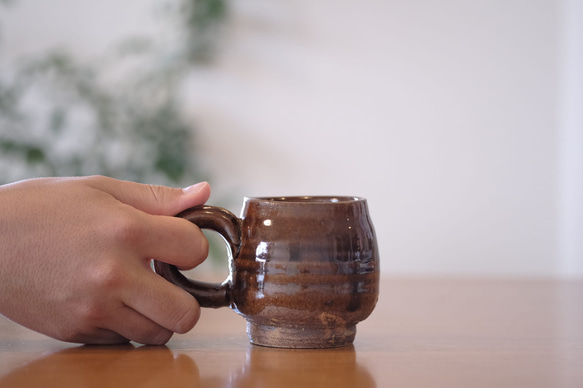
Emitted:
<point x="157" y="200"/>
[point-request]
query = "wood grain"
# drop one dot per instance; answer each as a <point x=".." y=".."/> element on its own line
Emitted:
<point x="424" y="332"/>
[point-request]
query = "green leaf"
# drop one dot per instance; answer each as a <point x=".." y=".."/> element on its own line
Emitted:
<point x="35" y="155"/>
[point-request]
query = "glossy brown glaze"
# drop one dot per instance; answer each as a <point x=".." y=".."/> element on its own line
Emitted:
<point x="304" y="271"/>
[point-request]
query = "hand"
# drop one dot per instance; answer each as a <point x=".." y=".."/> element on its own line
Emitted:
<point x="75" y="258"/>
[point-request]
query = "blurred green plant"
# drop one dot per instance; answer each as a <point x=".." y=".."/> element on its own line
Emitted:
<point x="119" y="116"/>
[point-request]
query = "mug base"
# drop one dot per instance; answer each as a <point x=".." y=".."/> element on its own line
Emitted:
<point x="300" y="337"/>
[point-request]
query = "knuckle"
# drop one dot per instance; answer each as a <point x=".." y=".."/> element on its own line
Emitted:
<point x="157" y="193"/>
<point x="90" y="315"/>
<point x="108" y="276"/>
<point x="125" y="229"/>
<point x="94" y="179"/>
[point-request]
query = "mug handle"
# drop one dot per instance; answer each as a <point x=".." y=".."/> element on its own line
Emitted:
<point x="228" y="226"/>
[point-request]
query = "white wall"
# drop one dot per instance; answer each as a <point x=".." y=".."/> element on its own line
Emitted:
<point x="571" y="140"/>
<point x="448" y="116"/>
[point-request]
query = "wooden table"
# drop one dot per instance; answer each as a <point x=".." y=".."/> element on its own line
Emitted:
<point x="423" y="333"/>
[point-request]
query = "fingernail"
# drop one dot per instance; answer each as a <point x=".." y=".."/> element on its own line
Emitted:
<point x="194" y="188"/>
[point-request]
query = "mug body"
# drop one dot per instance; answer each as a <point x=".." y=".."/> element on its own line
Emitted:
<point x="307" y="270"/>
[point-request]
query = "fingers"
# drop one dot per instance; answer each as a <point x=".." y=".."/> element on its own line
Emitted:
<point x="124" y="326"/>
<point x="135" y="306"/>
<point x="136" y="327"/>
<point x="98" y="336"/>
<point x="157" y="200"/>
<point x="171" y="240"/>
<point x="149" y="311"/>
<point x="155" y="307"/>
<point x="163" y="303"/>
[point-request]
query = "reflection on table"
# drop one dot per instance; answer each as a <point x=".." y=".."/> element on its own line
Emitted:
<point x="146" y="366"/>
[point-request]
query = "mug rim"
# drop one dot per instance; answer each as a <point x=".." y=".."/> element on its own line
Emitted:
<point x="307" y="199"/>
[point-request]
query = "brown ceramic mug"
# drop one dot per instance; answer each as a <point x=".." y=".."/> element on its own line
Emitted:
<point x="303" y="270"/>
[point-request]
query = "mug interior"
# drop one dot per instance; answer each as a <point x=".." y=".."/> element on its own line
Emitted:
<point x="307" y="199"/>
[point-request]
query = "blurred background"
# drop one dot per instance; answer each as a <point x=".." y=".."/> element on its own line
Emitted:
<point x="461" y="122"/>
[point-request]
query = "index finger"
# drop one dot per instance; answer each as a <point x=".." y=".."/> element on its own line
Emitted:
<point x="172" y="240"/>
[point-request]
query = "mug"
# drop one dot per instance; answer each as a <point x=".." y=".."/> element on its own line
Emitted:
<point x="303" y="270"/>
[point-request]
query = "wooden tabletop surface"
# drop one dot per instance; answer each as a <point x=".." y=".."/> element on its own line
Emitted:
<point x="423" y="333"/>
